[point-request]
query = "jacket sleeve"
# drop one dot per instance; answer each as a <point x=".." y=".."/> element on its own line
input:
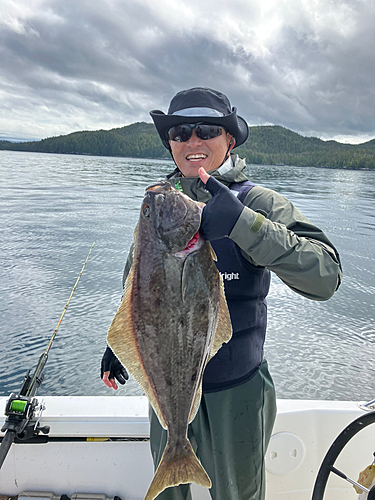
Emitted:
<point x="272" y="233"/>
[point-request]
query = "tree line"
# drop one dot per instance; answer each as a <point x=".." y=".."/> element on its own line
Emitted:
<point x="271" y="145"/>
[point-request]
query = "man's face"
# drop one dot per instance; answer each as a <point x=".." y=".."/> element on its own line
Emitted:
<point x="195" y="153"/>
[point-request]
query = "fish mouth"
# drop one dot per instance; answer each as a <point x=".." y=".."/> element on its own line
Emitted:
<point x="193" y="245"/>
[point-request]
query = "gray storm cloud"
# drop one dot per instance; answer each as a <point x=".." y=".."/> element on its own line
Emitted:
<point x="78" y="65"/>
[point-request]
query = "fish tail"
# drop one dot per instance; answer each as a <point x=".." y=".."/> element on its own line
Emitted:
<point x="177" y="466"/>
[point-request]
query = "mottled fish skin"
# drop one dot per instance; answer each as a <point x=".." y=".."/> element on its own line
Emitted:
<point x="172" y="320"/>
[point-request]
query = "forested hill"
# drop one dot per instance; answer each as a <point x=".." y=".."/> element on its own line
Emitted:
<point x="277" y="145"/>
<point x="139" y="140"/>
<point x="265" y="145"/>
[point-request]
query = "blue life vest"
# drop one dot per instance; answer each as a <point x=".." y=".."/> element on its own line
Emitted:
<point x="246" y="288"/>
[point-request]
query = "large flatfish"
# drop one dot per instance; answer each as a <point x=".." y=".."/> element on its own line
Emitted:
<point x="172" y="320"/>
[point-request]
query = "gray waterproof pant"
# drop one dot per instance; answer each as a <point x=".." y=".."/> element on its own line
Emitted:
<point x="230" y="435"/>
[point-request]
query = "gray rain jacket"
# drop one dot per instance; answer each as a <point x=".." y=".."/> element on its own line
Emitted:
<point x="272" y="233"/>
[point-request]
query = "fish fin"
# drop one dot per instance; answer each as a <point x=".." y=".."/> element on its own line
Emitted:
<point x="223" y="331"/>
<point x="135" y="233"/>
<point x="184" y="282"/>
<point x="188" y="285"/>
<point x="213" y="254"/>
<point x="122" y="341"/>
<point x="197" y="402"/>
<point x="177" y="466"/>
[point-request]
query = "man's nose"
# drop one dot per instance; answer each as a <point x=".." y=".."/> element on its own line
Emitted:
<point x="194" y="139"/>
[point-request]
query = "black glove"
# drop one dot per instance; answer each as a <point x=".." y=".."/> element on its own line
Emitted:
<point x="221" y="212"/>
<point x="111" y="364"/>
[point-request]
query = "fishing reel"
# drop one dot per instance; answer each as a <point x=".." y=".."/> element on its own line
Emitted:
<point x="23" y="414"/>
<point x="23" y="411"/>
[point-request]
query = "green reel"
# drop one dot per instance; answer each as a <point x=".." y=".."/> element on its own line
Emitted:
<point x="18" y="406"/>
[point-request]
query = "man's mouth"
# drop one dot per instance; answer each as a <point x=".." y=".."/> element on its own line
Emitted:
<point x="197" y="157"/>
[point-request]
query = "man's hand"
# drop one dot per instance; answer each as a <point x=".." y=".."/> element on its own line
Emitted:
<point x="221" y="212"/>
<point x="112" y="368"/>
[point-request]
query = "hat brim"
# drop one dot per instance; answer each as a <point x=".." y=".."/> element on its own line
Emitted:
<point x="233" y="123"/>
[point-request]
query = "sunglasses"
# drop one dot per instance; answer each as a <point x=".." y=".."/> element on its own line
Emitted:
<point x="182" y="133"/>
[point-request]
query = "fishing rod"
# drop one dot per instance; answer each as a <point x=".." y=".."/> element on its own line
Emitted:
<point x="23" y="411"/>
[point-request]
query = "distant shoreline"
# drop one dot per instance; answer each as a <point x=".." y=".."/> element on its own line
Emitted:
<point x="169" y="160"/>
<point x="266" y="145"/>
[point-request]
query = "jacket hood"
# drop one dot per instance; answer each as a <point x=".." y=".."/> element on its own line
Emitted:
<point x="231" y="171"/>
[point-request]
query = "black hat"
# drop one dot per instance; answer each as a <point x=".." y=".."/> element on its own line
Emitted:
<point x="200" y="105"/>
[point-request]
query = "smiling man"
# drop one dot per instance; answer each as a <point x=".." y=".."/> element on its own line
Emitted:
<point x="194" y="144"/>
<point x="253" y="231"/>
<point x="197" y="152"/>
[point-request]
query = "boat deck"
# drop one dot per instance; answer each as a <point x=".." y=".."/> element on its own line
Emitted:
<point x="303" y="432"/>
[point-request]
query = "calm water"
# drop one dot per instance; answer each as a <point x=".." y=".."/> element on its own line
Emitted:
<point x="53" y="207"/>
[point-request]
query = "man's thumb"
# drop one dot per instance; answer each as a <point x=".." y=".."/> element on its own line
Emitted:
<point x="204" y="176"/>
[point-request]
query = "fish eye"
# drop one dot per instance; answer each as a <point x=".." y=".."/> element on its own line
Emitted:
<point x="146" y="210"/>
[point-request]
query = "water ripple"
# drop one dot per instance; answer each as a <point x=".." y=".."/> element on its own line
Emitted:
<point x="54" y="206"/>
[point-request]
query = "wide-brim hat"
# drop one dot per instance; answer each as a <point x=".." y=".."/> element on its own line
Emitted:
<point x="200" y="105"/>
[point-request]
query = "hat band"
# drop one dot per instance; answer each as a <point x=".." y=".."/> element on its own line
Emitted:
<point x="198" y="112"/>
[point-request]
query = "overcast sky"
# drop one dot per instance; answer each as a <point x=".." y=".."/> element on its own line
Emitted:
<point x="69" y="65"/>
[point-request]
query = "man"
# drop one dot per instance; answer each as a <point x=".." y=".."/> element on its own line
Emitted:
<point x="253" y="231"/>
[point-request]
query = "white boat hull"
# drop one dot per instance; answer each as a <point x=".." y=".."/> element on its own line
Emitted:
<point x="303" y="432"/>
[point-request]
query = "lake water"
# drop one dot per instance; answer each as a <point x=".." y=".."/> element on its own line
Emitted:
<point x="53" y="207"/>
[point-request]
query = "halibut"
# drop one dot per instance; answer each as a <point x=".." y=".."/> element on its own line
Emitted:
<point x="172" y="320"/>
